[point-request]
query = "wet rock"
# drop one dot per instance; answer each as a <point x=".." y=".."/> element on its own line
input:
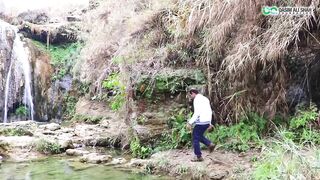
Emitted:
<point x="96" y="158"/>
<point x="117" y="161"/>
<point x="137" y="162"/>
<point x="76" y="152"/>
<point x="102" y="141"/>
<point x="51" y="126"/>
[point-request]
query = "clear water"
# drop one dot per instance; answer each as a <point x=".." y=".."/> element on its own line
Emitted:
<point x="62" y="169"/>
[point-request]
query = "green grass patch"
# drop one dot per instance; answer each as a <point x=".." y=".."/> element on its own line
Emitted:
<point x="48" y="147"/>
<point x="15" y="132"/>
<point x="242" y="136"/>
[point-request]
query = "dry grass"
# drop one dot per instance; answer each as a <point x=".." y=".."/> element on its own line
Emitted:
<point x="241" y="51"/>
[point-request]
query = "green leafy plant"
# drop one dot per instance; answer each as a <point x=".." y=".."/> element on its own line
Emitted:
<point x="178" y="136"/>
<point x="241" y="136"/>
<point x="139" y="150"/>
<point x="302" y="126"/>
<point x="21" y="111"/>
<point x="48" y="147"/>
<point x="113" y="83"/>
<point x="304" y="117"/>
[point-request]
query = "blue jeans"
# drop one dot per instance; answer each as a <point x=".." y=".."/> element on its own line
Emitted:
<point x="197" y="137"/>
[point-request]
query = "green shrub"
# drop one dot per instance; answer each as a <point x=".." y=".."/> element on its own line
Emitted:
<point x="113" y="83"/>
<point x="179" y="136"/>
<point x="241" y="136"/>
<point x="21" y="111"/>
<point x="48" y="147"/>
<point x="302" y="126"/>
<point x="304" y="118"/>
<point x="139" y="150"/>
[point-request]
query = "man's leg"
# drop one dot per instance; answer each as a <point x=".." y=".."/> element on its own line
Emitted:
<point x="203" y="139"/>
<point x="196" y="135"/>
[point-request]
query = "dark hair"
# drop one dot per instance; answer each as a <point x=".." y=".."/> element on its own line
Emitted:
<point x="193" y="91"/>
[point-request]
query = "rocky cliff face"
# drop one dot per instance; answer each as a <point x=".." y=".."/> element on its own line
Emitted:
<point x="14" y="94"/>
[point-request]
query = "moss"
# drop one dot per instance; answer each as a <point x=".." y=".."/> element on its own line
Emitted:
<point x="62" y="57"/>
<point x="169" y="82"/>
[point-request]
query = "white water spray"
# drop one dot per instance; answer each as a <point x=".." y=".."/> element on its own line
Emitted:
<point x="19" y="56"/>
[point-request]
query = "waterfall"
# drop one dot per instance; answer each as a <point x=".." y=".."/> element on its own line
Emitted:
<point x="6" y="96"/>
<point x="19" y="63"/>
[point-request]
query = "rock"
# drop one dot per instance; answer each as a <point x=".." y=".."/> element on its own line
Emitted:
<point x="218" y="175"/>
<point x="148" y="132"/>
<point x="35" y="17"/>
<point x="56" y="33"/>
<point x="137" y="162"/>
<point x="17" y="141"/>
<point x="76" y="152"/>
<point x="51" y="126"/>
<point x="117" y="161"/>
<point x="95" y="158"/>
<point x="65" y="144"/>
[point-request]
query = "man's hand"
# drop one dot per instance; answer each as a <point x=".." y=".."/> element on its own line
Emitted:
<point x="210" y="128"/>
<point x="189" y="127"/>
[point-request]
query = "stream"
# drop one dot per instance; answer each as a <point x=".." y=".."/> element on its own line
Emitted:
<point x="54" y="168"/>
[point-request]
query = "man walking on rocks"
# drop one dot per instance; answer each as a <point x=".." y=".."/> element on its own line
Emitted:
<point x="201" y="118"/>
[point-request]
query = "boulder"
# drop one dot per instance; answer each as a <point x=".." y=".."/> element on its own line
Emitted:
<point x="51" y="127"/>
<point x="76" y="152"/>
<point x="95" y="158"/>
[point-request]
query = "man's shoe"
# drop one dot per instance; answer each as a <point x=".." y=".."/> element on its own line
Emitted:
<point x="211" y="147"/>
<point x="197" y="159"/>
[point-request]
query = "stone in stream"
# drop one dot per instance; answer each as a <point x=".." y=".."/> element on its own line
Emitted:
<point x="95" y="158"/>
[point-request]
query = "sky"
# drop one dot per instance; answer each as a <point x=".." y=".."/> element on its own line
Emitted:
<point x="18" y="6"/>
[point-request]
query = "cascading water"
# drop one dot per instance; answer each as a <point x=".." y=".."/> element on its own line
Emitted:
<point x="20" y="58"/>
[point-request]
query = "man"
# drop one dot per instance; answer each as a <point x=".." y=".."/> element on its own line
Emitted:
<point x="202" y="119"/>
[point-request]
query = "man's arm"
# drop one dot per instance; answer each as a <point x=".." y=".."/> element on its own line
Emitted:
<point x="195" y="115"/>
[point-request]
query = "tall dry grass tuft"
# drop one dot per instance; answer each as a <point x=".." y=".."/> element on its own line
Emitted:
<point x="249" y="50"/>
